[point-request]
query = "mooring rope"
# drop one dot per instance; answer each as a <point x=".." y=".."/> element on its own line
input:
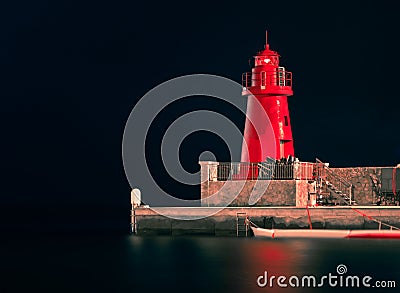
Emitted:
<point x="249" y="222"/>
<point x="309" y="218"/>
<point x="371" y="218"/>
<point x="375" y="220"/>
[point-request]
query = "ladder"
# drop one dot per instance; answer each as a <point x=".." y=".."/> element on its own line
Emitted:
<point x="242" y="227"/>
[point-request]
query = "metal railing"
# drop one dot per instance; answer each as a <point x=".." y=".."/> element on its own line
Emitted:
<point x="237" y="171"/>
<point x="279" y="77"/>
<point x="333" y="181"/>
<point x="264" y="171"/>
<point x="304" y="170"/>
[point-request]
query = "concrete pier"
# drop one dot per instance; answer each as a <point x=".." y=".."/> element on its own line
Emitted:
<point x="224" y="222"/>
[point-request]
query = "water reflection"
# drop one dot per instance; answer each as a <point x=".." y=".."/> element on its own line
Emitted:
<point x="185" y="264"/>
<point x="231" y="264"/>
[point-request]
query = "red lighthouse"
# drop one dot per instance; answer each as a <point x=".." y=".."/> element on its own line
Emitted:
<point x="268" y="85"/>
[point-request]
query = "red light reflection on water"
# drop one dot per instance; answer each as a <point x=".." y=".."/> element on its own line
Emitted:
<point x="278" y="258"/>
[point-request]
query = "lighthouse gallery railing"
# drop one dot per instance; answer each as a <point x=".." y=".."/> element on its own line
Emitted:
<point x="279" y="77"/>
<point x="264" y="171"/>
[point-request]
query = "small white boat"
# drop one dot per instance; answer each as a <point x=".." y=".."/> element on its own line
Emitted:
<point x="321" y="233"/>
<point x="299" y="233"/>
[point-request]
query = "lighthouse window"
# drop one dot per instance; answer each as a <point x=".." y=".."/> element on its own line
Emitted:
<point x="274" y="60"/>
<point x="286" y="121"/>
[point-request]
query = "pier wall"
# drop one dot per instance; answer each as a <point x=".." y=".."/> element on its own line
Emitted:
<point x="223" y="223"/>
<point x="365" y="180"/>
<point x="239" y="193"/>
<point x="366" y="183"/>
<point x="250" y="193"/>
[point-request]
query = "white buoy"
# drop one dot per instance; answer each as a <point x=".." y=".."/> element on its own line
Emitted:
<point x="136" y="197"/>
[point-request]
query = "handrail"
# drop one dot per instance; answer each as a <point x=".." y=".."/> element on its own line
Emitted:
<point x="278" y="77"/>
<point x="332" y="173"/>
<point x="337" y="181"/>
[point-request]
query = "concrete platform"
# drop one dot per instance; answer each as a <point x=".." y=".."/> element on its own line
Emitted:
<point x="224" y="222"/>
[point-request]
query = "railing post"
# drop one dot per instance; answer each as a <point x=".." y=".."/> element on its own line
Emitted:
<point x="208" y="184"/>
<point x="133" y="224"/>
<point x="351" y="194"/>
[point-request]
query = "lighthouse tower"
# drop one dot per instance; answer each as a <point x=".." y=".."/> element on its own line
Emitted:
<point x="268" y="85"/>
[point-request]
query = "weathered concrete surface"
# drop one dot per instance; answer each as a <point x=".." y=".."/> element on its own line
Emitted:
<point x="366" y="181"/>
<point x="159" y="225"/>
<point x="302" y="189"/>
<point x="223" y="223"/>
<point x="204" y="226"/>
<point x="241" y="192"/>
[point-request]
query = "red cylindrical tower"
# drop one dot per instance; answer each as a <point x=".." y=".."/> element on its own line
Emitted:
<point x="270" y="84"/>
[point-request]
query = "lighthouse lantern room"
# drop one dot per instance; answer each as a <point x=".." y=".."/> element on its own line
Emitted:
<point x="269" y="85"/>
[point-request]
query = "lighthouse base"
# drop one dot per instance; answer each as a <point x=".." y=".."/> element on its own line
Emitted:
<point x="255" y="193"/>
<point x="297" y="185"/>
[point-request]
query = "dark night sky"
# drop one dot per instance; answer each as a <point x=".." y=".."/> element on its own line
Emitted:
<point x="71" y="72"/>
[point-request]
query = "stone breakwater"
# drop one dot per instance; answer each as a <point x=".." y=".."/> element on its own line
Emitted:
<point x="224" y="222"/>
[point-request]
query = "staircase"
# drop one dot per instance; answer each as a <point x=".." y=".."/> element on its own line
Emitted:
<point x="266" y="171"/>
<point x="332" y="189"/>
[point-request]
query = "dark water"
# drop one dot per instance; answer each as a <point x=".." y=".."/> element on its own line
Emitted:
<point x="185" y="264"/>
